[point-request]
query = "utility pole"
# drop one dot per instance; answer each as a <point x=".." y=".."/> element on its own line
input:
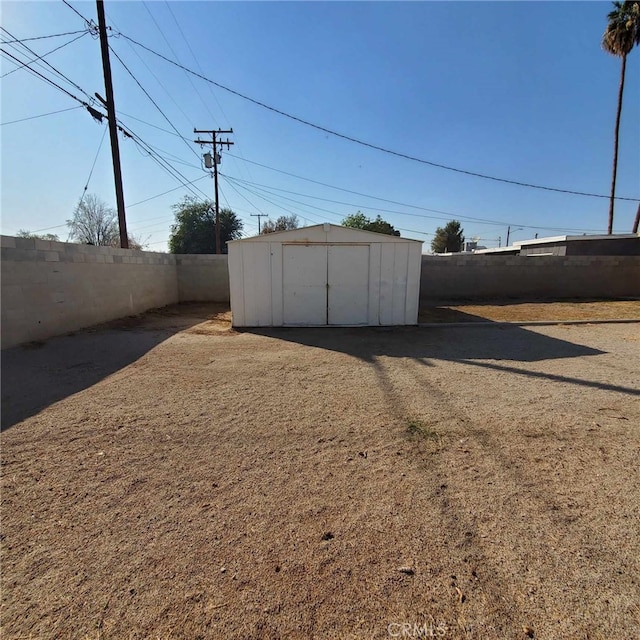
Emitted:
<point x="509" y="233"/>
<point x="113" y="130"/>
<point x="212" y="162"/>
<point x="259" y="215"/>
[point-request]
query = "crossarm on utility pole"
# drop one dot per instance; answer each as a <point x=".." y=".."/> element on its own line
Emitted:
<point x="215" y="142"/>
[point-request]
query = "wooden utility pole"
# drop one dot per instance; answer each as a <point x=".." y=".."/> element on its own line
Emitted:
<point x="259" y="215"/>
<point x="216" y="159"/>
<point x="113" y="128"/>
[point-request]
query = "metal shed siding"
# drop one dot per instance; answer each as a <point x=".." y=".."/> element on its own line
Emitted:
<point x="271" y="276"/>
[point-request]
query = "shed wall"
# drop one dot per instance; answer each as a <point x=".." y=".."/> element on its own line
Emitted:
<point x="257" y="281"/>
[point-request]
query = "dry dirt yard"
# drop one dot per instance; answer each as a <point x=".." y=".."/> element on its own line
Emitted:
<point x="167" y="477"/>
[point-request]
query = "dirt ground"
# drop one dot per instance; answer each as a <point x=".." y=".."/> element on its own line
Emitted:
<point x="532" y="311"/>
<point x="168" y="477"/>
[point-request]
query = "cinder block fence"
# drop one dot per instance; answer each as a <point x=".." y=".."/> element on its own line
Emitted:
<point x="477" y="277"/>
<point x="51" y="288"/>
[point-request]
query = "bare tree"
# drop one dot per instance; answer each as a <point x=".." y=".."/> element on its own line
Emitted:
<point x="25" y="233"/>
<point x="94" y="222"/>
<point x="283" y="223"/>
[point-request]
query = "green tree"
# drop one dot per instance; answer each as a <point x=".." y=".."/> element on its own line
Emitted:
<point x="360" y="221"/>
<point x="283" y="223"/>
<point x="620" y="36"/>
<point x="448" y="239"/>
<point x="194" y="230"/>
<point x="25" y="233"/>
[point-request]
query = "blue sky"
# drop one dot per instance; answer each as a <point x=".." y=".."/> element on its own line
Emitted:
<point x="514" y="90"/>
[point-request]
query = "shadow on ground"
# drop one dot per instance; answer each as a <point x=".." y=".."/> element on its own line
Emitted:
<point x="480" y="345"/>
<point x="486" y="342"/>
<point x="39" y="374"/>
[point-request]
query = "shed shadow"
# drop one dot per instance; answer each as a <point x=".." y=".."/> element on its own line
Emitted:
<point x="486" y="342"/>
<point x="482" y="346"/>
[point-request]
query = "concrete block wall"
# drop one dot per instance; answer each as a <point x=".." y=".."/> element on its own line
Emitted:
<point x="51" y="288"/>
<point x="477" y="277"/>
<point x="202" y="278"/>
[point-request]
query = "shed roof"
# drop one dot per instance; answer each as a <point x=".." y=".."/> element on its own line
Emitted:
<point x="326" y="233"/>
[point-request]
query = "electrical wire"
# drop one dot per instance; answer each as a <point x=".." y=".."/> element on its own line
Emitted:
<point x="270" y="190"/>
<point x="160" y="83"/>
<point x="44" y="55"/>
<point x="173" y="133"/>
<point x="164" y="193"/>
<point x="359" y="193"/>
<point x="56" y="71"/>
<point x="370" y="145"/>
<point x="93" y="166"/>
<point x="193" y="86"/>
<point x="156" y="157"/>
<point x="259" y="194"/>
<point x="242" y="167"/>
<point x="155" y="104"/>
<point x="53" y="35"/>
<point x="245" y="198"/>
<point x="89" y="23"/>
<point x="195" y="58"/>
<point x="162" y="162"/>
<point x="42" y="115"/>
<point x="51" y="82"/>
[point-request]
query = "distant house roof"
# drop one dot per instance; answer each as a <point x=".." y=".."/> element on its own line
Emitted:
<point x="615" y="244"/>
<point x="503" y="250"/>
<point x="553" y="239"/>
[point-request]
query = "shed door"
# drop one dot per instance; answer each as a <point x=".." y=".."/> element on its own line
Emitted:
<point x="304" y="284"/>
<point x="348" y="279"/>
<point x="325" y="284"/>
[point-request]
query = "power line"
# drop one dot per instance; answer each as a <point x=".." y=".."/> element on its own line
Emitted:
<point x="242" y="167"/>
<point x="366" y="195"/>
<point x="53" y="35"/>
<point x="57" y="86"/>
<point x="44" y="55"/>
<point x="386" y="210"/>
<point x="89" y="23"/>
<point x="56" y="71"/>
<point x="305" y="204"/>
<point x="326" y="211"/>
<point x="195" y="58"/>
<point x="155" y="104"/>
<point x="164" y="164"/>
<point x="193" y="86"/>
<point x="245" y="198"/>
<point x="42" y="115"/>
<point x="160" y="83"/>
<point x="164" y="193"/>
<point x="93" y="166"/>
<point x="357" y="193"/>
<point x="369" y="144"/>
<point x="173" y="133"/>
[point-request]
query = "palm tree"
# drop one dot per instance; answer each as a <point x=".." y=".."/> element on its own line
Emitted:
<point x="620" y="36"/>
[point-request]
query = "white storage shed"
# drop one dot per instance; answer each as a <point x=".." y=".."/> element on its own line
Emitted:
<point x="324" y="275"/>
